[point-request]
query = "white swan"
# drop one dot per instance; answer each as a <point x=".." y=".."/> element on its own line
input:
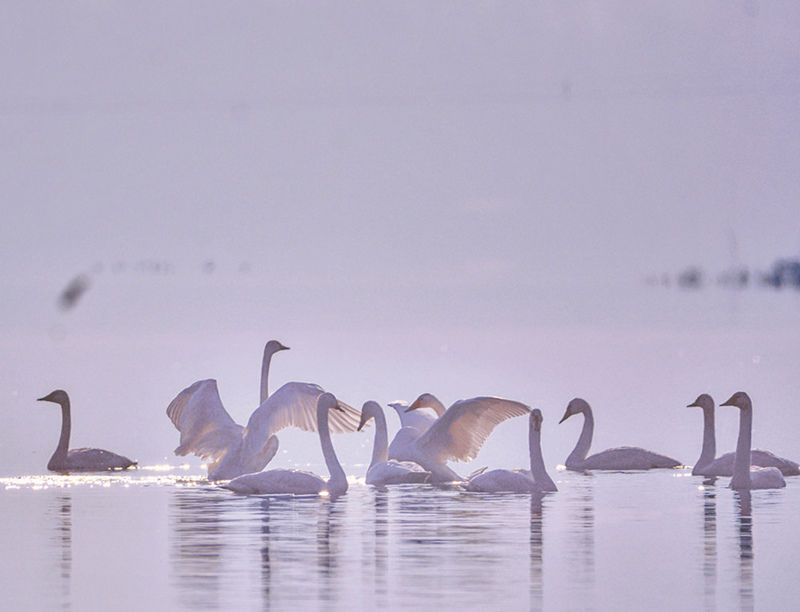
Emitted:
<point x="457" y="435"/>
<point x="707" y="465"/>
<point x="413" y="422"/>
<point x="519" y="481"/>
<point x="208" y="431"/>
<point x="745" y="476"/>
<point x="382" y="471"/>
<point x="79" y="459"/>
<point x="298" y="482"/>
<point x="622" y="458"/>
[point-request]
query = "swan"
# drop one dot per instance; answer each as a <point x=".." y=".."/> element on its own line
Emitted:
<point x="79" y="459"/>
<point x="622" y="458"/>
<point x="208" y="431"/>
<point x="519" y="481"/>
<point x="706" y="465"/>
<point x="414" y="422"/>
<point x="745" y="476"/>
<point x="457" y="434"/>
<point x="298" y="482"/>
<point x="418" y="419"/>
<point x="382" y="471"/>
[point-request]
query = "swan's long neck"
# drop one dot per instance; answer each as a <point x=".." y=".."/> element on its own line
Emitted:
<point x="584" y="441"/>
<point x="538" y="471"/>
<point x="337" y="484"/>
<point x="63" y="442"/>
<point x="437" y="406"/>
<point x="709" y="439"/>
<point x="381" y="445"/>
<point x="741" y="464"/>
<point x="265" y="374"/>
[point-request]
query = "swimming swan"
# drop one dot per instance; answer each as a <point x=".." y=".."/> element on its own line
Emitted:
<point x="622" y="458"/>
<point x="79" y="459"/>
<point x="208" y="431"/>
<point x="298" y="482"/>
<point x="519" y="481"/>
<point x="382" y="471"/>
<point x="745" y="476"/>
<point x="413" y="423"/>
<point x="457" y="435"/>
<point x="707" y="465"/>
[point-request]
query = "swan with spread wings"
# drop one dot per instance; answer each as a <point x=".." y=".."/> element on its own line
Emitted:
<point x="208" y="431"/>
<point x="457" y="435"/>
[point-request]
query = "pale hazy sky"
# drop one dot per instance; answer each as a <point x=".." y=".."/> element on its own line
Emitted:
<point x="379" y="166"/>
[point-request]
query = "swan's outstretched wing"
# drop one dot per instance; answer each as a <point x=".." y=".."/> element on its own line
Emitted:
<point x="295" y="405"/>
<point x="207" y="430"/>
<point x="460" y="432"/>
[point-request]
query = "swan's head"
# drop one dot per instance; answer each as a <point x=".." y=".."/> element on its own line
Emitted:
<point x="426" y="400"/>
<point x="536" y="419"/>
<point x="273" y="346"/>
<point x="57" y="397"/>
<point x="368" y="411"/>
<point x="703" y="401"/>
<point x="574" y="407"/>
<point x="740" y="399"/>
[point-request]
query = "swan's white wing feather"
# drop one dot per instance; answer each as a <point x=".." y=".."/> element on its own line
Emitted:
<point x="207" y="430"/>
<point x="295" y="405"/>
<point x="460" y="432"/>
<point x="419" y="419"/>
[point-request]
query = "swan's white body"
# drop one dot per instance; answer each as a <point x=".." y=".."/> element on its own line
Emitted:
<point x="707" y="465"/>
<point x="79" y="459"/>
<point x="621" y="458"/>
<point x="298" y="482"/>
<point x="746" y="476"/>
<point x="519" y="481"/>
<point x="457" y="435"/>
<point x="414" y="422"/>
<point x="208" y="431"/>
<point x="383" y="471"/>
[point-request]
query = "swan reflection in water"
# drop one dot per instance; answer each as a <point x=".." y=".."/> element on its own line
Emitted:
<point x="581" y="546"/>
<point x="710" y="542"/>
<point x="746" y="559"/>
<point x="62" y="508"/>
<point x="197" y="517"/>
<point x="537" y="552"/>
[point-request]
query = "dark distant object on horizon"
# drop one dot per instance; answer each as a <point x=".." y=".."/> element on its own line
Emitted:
<point x="784" y="273"/>
<point x="79" y="459"/>
<point x="691" y="278"/>
<point x="73" y="291"/>
<point x="735" y="277"/>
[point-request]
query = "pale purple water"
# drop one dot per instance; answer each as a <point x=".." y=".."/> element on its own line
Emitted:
<point x="659" y="540"/>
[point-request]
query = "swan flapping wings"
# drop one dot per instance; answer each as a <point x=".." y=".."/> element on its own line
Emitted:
<point x="460" y="432"/>
<point x="295" y="405"/>
<point x="208" y="431"/>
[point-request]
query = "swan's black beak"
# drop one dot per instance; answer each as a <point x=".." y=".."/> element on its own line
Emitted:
<point x="695" y="405"/>
<point x="565" y="417"/>
<point x="339" y="408"/>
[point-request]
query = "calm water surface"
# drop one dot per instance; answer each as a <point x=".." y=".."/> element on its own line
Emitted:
<point x="158" y="540"/>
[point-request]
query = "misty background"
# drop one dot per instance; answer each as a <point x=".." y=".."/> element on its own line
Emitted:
<point x="460" y="198"/>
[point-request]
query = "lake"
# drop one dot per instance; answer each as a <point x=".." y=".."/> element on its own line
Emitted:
<point x="164" y="538"/>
